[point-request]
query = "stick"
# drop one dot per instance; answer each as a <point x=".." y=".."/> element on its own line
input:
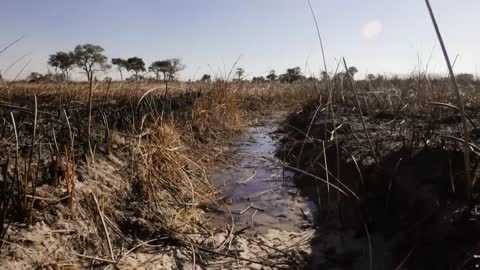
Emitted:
<point x="253" y="215"/>
<point x="248" y="179"/>
<point x="258" y="208"/>
<point x="104" y="227"/>
<point x="261" y="193"/>
<point x="405" y="259"/>
<point x="244" y="210"/>
<point x="369" y="246"/>
<point x="95" y="258"/>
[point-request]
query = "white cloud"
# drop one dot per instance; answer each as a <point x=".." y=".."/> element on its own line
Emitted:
<point x="372" y="29"/>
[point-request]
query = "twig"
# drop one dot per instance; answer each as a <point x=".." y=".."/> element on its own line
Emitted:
<point x="258" y="208"/>
<point x="104" y="226"/>
<point x="253" y="215"/>
<point x="405" y="259"/>
<point x="95" y="258"/>
<point x="244" y="210"/>
<point x="248" y="179"/>
<point x="134" y="248"/>
<point x="261" y="193"/>
<point x="369" y="246"/>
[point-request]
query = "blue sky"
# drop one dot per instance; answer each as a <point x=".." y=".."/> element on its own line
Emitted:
<point x="376" y="36"/>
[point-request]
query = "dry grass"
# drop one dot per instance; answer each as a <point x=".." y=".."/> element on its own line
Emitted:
<point x="151" y="157"/>
<point x="143" y="171"/>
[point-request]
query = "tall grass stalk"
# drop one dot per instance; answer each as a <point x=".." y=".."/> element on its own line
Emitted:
<point x="354" y="87"/>
<point x="466" y="144"/>
<point x="319" y="35"/>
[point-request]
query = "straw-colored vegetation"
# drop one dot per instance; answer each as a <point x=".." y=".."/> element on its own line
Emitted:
<point x="117" y="174"/>
<point x="141" y="174"/>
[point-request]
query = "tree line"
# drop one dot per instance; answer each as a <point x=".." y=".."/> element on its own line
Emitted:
<point x="294" y="74"/>
<point x="90" y="59"/>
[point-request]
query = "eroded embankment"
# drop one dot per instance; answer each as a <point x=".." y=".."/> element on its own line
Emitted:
<point x="399" y="197"/>
<point x="132" y="194"/>
<point x="126" y="195"/>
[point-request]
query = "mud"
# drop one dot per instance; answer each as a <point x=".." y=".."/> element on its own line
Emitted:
<point x="258" y="192"/>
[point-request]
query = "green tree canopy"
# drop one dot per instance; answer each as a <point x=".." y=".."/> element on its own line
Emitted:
<point x="121" y="65"/>
<point x="136" y="65"/>
<point x="292" y="75"/>
<point x="90" y="59"/>
<point x="169" y="68"/>
<point x="206" y="78"/>
<point x="158" y="67"/>
<point x="258" y="79"/>
<point x="64" y="61"/>
<point x="271" y="75"/>
<point x="239" y="73"/>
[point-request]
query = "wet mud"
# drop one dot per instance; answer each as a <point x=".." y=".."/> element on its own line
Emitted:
<point x="258" y="192"/>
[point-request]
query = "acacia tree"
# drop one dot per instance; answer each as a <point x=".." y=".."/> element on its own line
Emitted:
<point x="136" y="65"/>
<point x="64" y="61"/>
<point x="240" y="72"/>
<point x="175" y="66"/>
<point x="158" y="67"/>
<point x="292" y="75"/>
<point x="271" y="75"/>
<point x="121" y="65"/>
<point x="206" y="78"/>
<point x="90" y="59"/>
<point x="258" y="79"/>
<point x="169" y="68"/>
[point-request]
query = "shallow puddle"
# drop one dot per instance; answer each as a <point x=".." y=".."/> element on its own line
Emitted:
<point x="258" y="192"/>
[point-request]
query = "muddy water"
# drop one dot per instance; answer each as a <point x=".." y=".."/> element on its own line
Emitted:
<point x="259" y="194"/>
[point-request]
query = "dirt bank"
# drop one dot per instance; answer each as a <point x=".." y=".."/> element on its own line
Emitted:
<point x="131" y="192"/>
<point x="389" y="197"/>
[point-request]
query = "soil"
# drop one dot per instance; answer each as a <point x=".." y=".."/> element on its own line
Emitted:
<point x="401" y="206"/>
<point x="393" y="200"/>
<point x="274" y="233"/>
